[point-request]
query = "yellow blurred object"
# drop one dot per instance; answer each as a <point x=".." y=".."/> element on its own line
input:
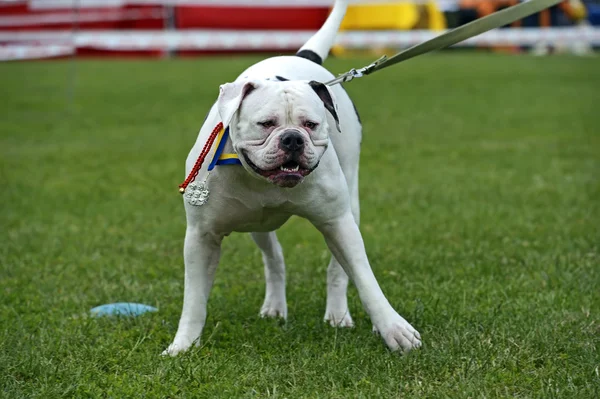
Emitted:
<point x="578" y="11"/>
<point x="396" y="15"/>
<point x="400" y="15"/>
<point x="437" y="20"/>
<point x="392" y="15"/>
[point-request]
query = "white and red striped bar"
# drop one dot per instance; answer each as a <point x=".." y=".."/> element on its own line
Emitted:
<point x="72" y="17"/>
<point x="211" y="40"/>
<point x="29" y="52"/>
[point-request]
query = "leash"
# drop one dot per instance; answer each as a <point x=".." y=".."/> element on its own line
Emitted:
<point x="457" y="35"/>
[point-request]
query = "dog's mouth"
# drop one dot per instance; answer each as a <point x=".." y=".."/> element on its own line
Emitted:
<point x="288" y="174"/>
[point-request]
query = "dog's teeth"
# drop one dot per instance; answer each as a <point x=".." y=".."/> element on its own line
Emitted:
<point x="295" y="169"/>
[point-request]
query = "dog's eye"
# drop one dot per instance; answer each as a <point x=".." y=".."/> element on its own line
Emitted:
<point x="310" y="125"/>
<point x="267" y="124"/>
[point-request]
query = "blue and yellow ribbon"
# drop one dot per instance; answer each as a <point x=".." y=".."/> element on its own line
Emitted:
<point x="221" y="158"/>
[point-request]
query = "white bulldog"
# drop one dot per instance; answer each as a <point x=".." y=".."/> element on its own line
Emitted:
<point x="298" y="142"/>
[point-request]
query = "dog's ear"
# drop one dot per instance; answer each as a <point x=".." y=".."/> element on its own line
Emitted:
<point x="231" y="96"/>
<point x="327" y="97"/>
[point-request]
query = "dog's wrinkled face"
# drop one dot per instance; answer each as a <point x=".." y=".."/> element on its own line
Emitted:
<point x="280" y="130"/>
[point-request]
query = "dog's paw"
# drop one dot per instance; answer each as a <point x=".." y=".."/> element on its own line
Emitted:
<point x="398" y="334"/>
<point x="274" y="308"/>
<point x="338" y="318"/>
<point x="176" y="348"/>
<point x="173" y="350"/>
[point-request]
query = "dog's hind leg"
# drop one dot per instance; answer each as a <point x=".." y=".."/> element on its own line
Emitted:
<point x="275" y="304"/>
<point x="337" y="312"/>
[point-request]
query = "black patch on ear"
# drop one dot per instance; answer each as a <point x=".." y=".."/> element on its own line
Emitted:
<point x="281" y="78"/>
<point x="324" y="95"/>
<point x="310" y="55"/>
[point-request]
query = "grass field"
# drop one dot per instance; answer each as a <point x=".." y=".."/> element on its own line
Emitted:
<point x="480" y="185"/>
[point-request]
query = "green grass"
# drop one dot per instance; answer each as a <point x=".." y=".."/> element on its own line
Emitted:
<point x="480" y="185"/>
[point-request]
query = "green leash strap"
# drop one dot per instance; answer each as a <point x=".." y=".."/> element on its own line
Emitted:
<point x="481" y="25"/>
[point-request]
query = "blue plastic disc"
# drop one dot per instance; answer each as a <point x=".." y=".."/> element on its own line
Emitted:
<point x="122" y="309"/>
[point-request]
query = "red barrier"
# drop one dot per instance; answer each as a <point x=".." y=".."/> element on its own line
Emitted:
<point x="20" y="18"/>
<point x="247" y="18"/>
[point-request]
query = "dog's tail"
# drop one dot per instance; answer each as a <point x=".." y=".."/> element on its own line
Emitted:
<point x="317" y="47"/>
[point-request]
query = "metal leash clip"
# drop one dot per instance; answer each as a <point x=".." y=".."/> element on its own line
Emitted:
<point x="354" y="73"/>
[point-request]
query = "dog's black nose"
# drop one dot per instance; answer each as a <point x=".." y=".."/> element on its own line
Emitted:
<point x="291" y="141"/>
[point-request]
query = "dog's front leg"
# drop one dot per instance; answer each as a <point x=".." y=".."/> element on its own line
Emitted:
<point x="345" y="242"/>
<point x="201" y="256"/>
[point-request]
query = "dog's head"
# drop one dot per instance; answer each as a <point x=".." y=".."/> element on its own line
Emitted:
<point x="279" y="130"/>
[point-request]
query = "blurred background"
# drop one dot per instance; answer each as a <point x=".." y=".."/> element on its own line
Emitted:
<point x="31" y="29"/>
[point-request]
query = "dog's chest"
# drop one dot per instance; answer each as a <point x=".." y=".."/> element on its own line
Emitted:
<point x="240" y="203"/>
<point x="244" y="211"/>
<point x="245" y="218"/>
